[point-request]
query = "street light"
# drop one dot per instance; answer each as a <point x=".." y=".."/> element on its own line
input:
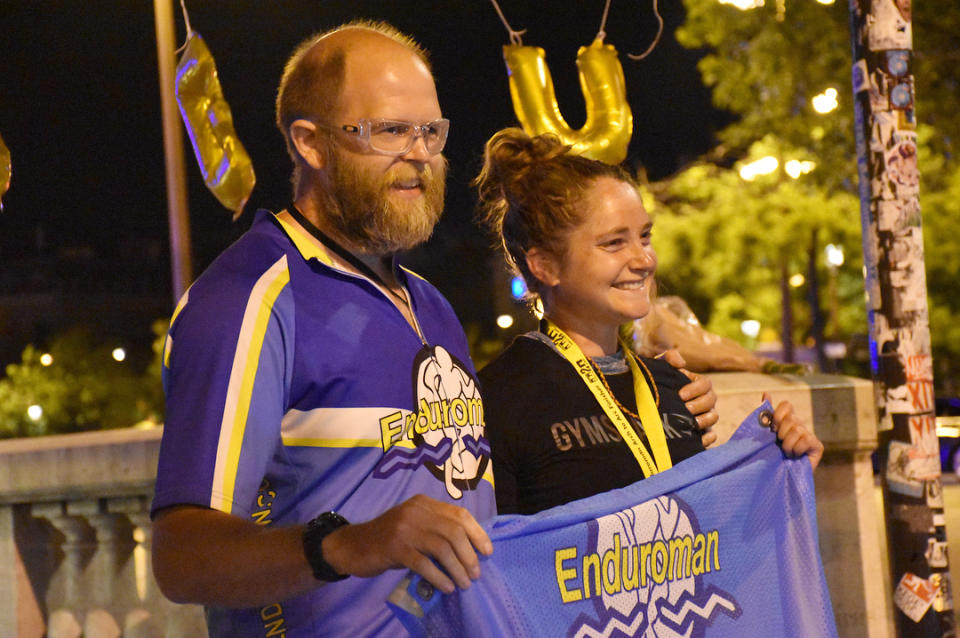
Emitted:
<point x="762" y="166"/>
<point x="743" y="5"/>
<point x="750" y="328"/>
<point x="834" y="255"/>
<point x="796" y="168"/>
<point x="825" y="102"/>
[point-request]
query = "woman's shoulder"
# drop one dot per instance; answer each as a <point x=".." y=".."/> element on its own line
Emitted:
<point x="524" y="362"/>
<point x="525" y="348"/>
<point x="664" y="373"/>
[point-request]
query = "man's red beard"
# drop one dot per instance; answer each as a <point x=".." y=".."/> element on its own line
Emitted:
<point x="361" y="209"/>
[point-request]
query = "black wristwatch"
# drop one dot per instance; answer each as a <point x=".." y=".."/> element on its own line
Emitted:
<point x="313" y="536"/>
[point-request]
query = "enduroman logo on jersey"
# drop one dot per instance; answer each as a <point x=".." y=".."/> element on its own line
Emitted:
<point x="446" y="431"/>
<point x="643" y="571"/>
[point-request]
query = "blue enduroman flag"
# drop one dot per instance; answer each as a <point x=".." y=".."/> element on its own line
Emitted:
<point x="724" y="544"/>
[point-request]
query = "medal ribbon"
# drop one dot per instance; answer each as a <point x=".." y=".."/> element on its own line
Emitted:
<point x="646" y="407"/>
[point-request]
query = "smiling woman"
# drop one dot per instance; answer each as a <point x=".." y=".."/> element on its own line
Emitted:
<point x="571" y="410"/>
<point x="577" y="231"/>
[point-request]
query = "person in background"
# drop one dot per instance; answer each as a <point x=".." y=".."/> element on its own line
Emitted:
<point x="571" y="411"/>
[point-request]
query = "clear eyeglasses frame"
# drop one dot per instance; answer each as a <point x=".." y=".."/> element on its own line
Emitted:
<point x="396" y="137"/>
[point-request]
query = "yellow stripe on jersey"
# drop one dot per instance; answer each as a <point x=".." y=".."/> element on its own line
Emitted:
<point x="339" y="443"/>
<point x="304" y="241"/>
<point x="256" y="317"/>
<point x="168" y="342"/>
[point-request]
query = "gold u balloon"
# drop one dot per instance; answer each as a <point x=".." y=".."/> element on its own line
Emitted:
<point x="4" y="170"/>
<point x="609" y="125"/>
<point x="224" y="163"/>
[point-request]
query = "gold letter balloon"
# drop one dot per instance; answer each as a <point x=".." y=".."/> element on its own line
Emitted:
<point x="609" y="125"/>
<point x="226" y="167"/>
<point x="4" y="170"/>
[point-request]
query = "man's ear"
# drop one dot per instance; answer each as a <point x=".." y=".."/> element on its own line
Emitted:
<point x="303" y="135"/>
<point x="544" y="266"/>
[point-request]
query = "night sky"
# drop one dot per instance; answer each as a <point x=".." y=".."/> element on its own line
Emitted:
<point x="79" y="111"/>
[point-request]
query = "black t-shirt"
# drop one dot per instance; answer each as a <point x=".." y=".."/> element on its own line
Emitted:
<point x="551" y="442"/>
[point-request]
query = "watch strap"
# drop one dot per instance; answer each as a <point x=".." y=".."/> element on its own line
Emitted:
<point x="313" y="535"/>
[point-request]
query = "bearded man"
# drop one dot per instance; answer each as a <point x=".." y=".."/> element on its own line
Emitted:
<point x="323" y="416"/>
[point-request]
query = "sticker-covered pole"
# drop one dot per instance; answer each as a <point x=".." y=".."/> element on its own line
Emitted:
<point x="897" y="307"/>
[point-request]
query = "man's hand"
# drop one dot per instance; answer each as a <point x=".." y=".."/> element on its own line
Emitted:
<point x="699" y="397"/>
<point x="437" y="540"/>
<point x="795" y="440"/>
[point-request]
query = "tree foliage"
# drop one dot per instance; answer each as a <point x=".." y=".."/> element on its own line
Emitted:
<point x="722" y="242"/>
<point x="721" y="239"/>
<point x="80" y="387"/>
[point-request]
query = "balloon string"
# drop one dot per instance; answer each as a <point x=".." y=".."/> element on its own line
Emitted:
<point x="186" y="22"/>
<point x="656" y="12"/>
<point x="514" y="35"/>
<point x="601" y="34"/>
<point x="186" y="18"/>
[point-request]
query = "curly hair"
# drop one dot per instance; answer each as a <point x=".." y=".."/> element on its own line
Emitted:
<point x="530" y="189"/>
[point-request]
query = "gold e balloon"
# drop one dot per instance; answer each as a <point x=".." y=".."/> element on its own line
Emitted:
<point x="224" y="162"/>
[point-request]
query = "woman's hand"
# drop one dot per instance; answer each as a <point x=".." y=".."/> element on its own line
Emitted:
<point x="795" y="439"/>
<point x="699" y="397"/>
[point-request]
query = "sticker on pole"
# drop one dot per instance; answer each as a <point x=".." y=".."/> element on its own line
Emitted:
<point x="908" y="468"/>
<point x="936" y="553"/>
<point x="914" y="595"/>
<point x="943" y="601"/>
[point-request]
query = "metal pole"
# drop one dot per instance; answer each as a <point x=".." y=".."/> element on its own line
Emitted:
<point x="897" y="307"/>
<point x="177" y="212"/>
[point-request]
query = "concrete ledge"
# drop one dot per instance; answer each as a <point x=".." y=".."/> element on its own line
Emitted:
<point x="840" y="409"/>
<point x="72" y="466"/>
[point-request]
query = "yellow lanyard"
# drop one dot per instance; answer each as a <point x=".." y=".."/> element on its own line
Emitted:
<point x="646" y="407"/>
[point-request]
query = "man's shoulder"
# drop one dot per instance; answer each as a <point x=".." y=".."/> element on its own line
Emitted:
<point x="261" y="248"/>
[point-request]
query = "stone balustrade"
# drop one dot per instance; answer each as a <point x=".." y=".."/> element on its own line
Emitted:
<point x="75" y="539"/>
<point x="75" y="528"/>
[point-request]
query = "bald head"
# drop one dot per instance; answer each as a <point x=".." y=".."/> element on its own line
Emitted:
<point x="314" y="78"/>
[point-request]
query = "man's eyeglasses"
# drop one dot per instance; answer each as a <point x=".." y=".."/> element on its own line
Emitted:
<point x="392" y="137"/>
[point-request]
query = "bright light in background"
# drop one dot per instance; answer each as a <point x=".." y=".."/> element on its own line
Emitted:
<point x="796" y="280"/>
<point x="826" y="101"/>
<point x="743" y="5"/>
<point x="825" y="1"/>
<point x="505" y="321"/>
<point x="518" y="288"/>
<point x="750" y="327"/>
<point x="796" y="168"/>
<point x="119" y="354"/>
<point x="34" y="412"/>
<point x="834" y="255"/>
<point x="763" y="166"/>
<point x="46" y="359"/>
